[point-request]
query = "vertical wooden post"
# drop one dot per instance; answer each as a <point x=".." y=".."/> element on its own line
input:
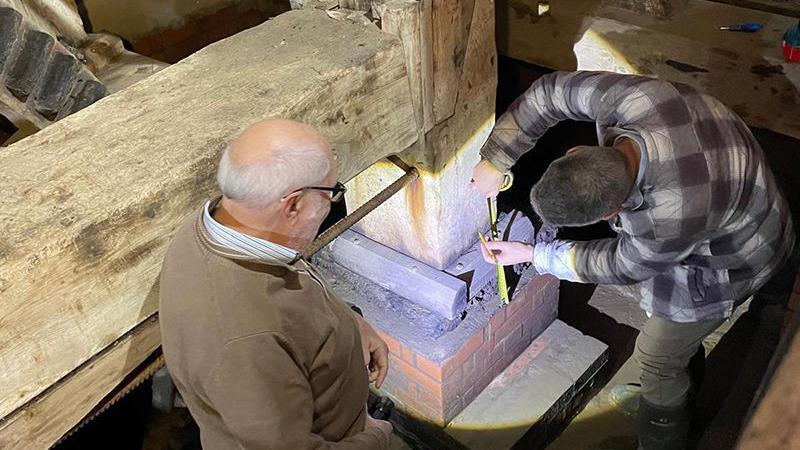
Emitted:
<point x="450" y="57"/>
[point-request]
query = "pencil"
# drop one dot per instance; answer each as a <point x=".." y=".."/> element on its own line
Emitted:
<point x="483" y="243"/>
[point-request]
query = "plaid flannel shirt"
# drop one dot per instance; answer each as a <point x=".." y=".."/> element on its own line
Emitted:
<point x="709" y="226"/>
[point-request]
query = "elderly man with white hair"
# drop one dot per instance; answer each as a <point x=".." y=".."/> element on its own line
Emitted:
<point x="264" y="355"/>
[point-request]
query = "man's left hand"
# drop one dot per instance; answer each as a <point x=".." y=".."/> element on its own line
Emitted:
<point x="376" y="352"/>
<point x="507" y="253"/>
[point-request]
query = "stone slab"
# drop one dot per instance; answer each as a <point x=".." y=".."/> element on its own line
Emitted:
<point x="430" y="288"/>
<point x="528" y="390"/>
<point x="471" y="267"/>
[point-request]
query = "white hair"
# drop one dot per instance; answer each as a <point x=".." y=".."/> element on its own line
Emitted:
<point x="267" y="181"/>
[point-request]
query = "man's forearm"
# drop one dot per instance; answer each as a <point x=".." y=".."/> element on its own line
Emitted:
<point x="556" y="258"/>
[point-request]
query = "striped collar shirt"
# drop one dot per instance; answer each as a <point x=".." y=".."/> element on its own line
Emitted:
<point x="260" y="249"/>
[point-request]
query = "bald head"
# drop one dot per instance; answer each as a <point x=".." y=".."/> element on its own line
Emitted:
<point x="270" y="159"/>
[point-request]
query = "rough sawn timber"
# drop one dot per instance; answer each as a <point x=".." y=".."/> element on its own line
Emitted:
<point x="91" y="202"/>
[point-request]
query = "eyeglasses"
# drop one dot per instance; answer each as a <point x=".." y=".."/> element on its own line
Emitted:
<point x="336" y="192"/>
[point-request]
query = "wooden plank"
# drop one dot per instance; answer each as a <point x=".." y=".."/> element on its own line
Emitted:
<point x="42" y="422"/>
<point x="430" y="288"/>
<point x="92" y="201"/>
<point x="745" y="71"/>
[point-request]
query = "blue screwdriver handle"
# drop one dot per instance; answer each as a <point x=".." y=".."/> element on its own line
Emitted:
<point x="750" y="27"/>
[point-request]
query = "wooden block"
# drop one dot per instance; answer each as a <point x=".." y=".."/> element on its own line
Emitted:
<point x="745" y="71"/>
<point x="428" y="287"/>
<point x="97" y="196"/>
<point x="471" y="267"/>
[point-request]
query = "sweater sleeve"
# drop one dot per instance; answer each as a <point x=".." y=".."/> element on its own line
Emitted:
<point x="263" y="396"/>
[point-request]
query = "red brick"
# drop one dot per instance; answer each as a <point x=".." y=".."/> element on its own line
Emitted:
<point x="482" y="356"/>
<point x="511" y="326"/>
<point x="394" y="346"/>
<point x="520" y="303"/>
<point x="409" y="356"/>
<point x="467" y="350"/>
<point x="432" y="398"/>
<point x="468" y="366"/>
<point x="498" y="319"/>
<point x="497" y="352"/>
<point x="413" y="373"/>
<point x="429" y="367"/>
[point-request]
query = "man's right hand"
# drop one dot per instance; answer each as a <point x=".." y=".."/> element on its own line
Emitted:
<point x="486" y="179"/>
<point x="383" y="425"/>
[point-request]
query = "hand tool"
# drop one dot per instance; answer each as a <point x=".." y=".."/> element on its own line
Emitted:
<point x="750" y="27"/>
<point x="502" y="285"/>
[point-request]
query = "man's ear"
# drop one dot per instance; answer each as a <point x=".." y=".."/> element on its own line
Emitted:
<point x="290" y="205"/>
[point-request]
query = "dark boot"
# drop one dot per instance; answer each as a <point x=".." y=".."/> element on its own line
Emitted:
<point x="663" y="428"/>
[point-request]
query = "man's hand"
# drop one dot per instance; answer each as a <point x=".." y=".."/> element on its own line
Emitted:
<point x="382" y="425"/>
<point x="376" y="353"/>
<point x="486" y="179"/>
<point x="507" y="253"/>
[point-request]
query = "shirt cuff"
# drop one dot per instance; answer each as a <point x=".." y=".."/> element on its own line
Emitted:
<point x="556" y="258"/>
<point x="493" y="153"/>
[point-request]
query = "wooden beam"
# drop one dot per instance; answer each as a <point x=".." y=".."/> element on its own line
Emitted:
<point x="745" y="71"/>
<point x="92" y="201"/>
<point x="358" y="5"/>
<point x="406" y="20"/>
<point x="41" y="423"/>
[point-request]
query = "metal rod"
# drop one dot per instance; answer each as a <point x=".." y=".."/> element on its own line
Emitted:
<point x="411" y="174"/>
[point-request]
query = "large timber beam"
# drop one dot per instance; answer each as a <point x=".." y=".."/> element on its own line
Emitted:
<point x="746" y="71"/>
<point x="91" y="202"/>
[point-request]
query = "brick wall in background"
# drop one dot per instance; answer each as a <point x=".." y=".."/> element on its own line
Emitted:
<point x="438" y="392"/>
<point x="175" y="44"/>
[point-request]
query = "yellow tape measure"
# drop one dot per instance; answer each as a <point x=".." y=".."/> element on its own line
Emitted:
<point x="508" y="180"/>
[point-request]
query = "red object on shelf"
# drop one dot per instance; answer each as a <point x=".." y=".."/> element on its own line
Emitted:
<point x="791" y="52"/>
<point x="791" y="44"/>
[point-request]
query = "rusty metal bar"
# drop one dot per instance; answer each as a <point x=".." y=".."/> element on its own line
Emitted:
<point x="411" y="174"/>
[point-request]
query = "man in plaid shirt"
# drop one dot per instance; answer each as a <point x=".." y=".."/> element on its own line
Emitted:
<point x="701" y="223"/>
